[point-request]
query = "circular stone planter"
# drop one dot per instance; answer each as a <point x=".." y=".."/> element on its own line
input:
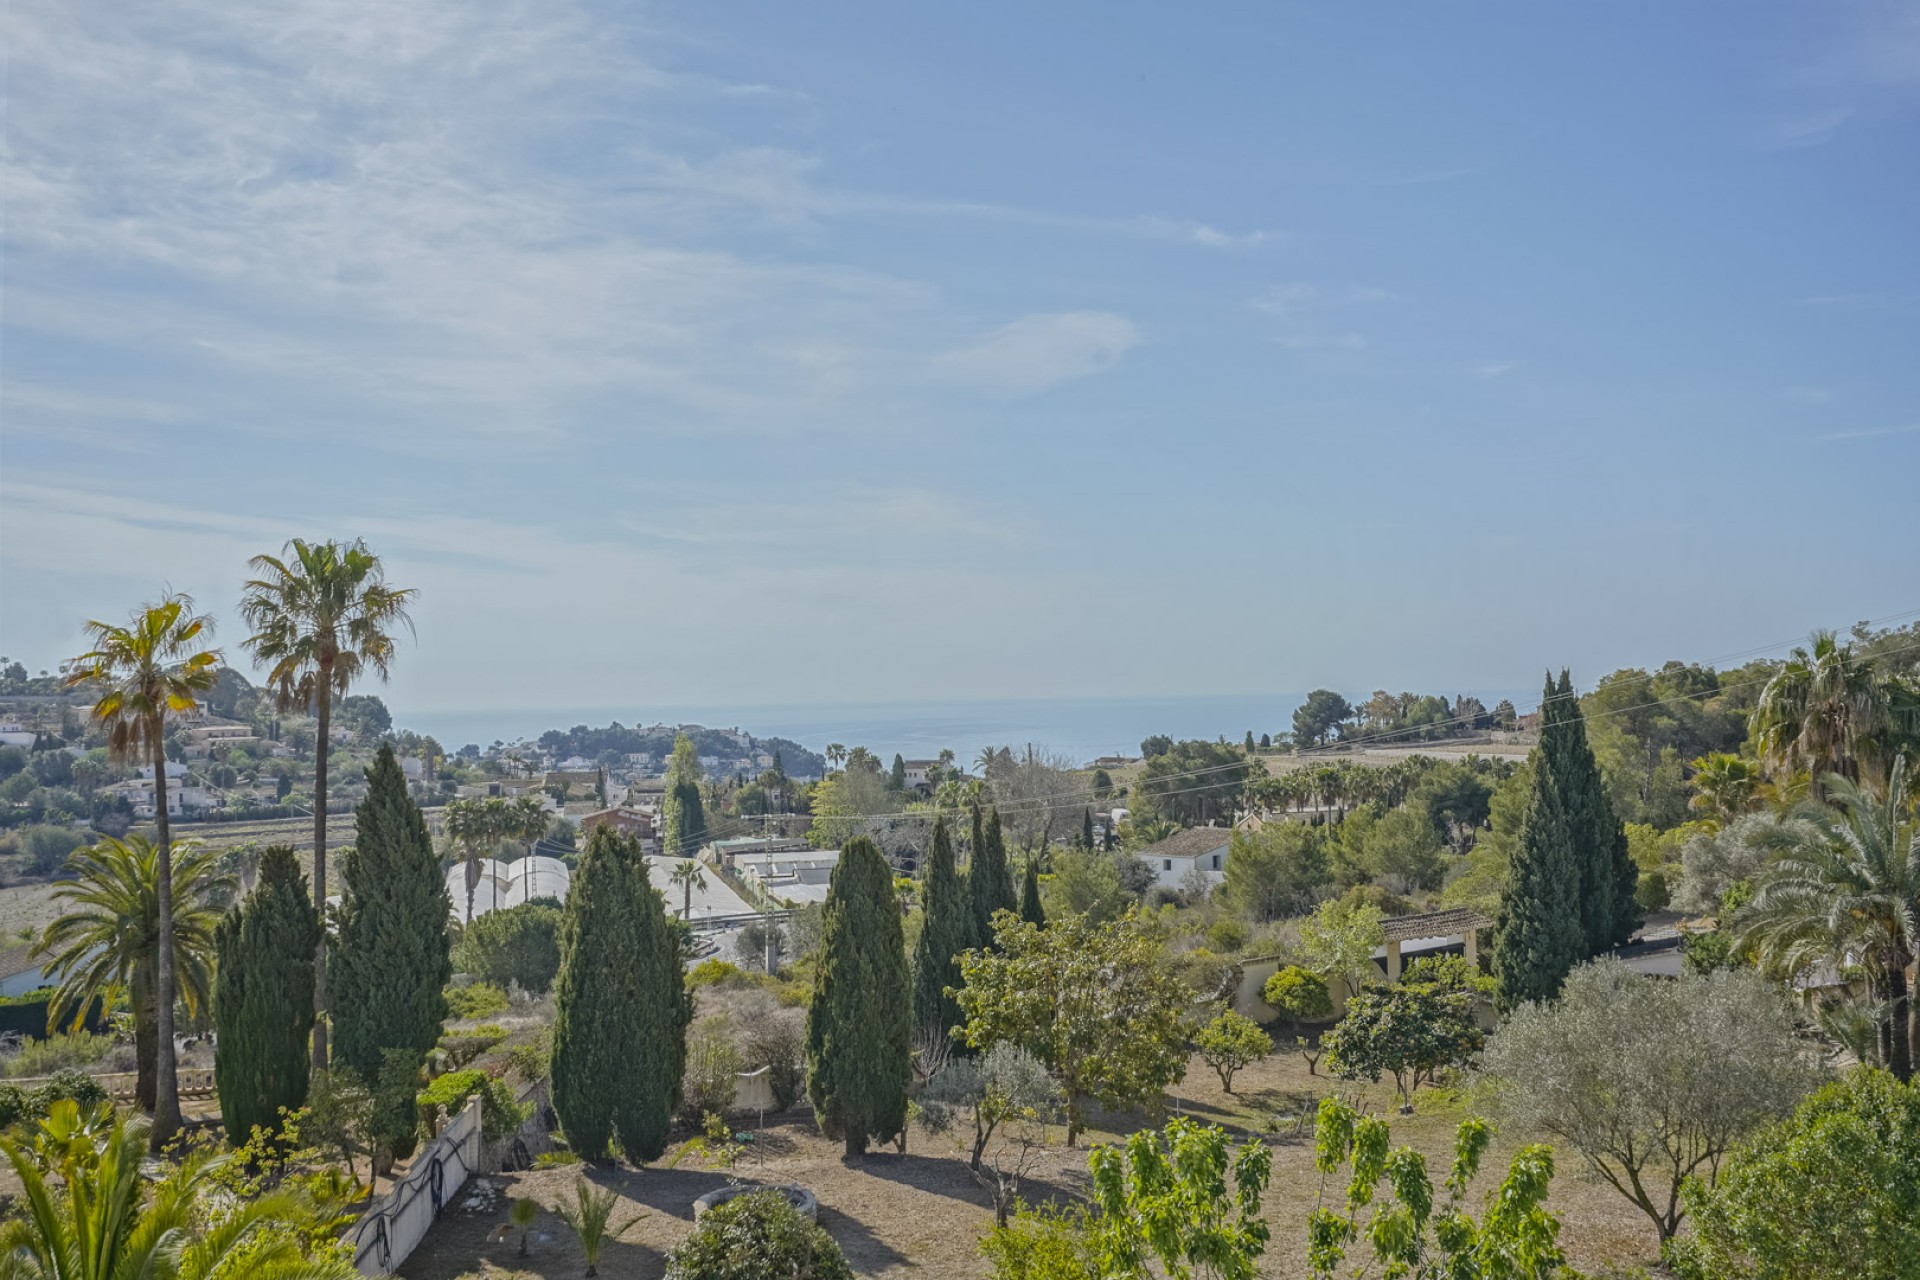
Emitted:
<point x="799" y="1197"/>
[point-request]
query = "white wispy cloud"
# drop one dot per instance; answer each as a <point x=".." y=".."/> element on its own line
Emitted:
<point x="1808" y="128"/>
<point x="1870" y="433"/>
<point x="1490" y="369"/>
<point x="1041" y="351"/>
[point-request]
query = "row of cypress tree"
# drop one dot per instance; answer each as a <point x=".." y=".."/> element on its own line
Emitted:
<point x="957" y="916"/>
<point x="388" y="972"/>
<point x="1570" y="892"/>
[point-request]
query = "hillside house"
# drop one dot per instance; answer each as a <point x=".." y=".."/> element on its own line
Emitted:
<point x="1201" y="849"/>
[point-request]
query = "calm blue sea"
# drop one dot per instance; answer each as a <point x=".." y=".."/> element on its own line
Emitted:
<point x="1081" y="728"/>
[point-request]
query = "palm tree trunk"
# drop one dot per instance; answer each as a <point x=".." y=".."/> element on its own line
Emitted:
<point x="1900" y="1057"/>
<point x="166" y="1094"/>
<point x="146" y="1045"/>
<point x="324" y="697"/>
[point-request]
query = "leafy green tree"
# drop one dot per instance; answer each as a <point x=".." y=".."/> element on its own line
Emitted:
<point x="1517" y="1237"/>
<point x="1096" y="1002"/>
<point x="263" y="999"/>
<point x="1031" y="909"/>
<point x="518" y="945"/>
<point x="322" y="616"/>
<point x="1179" y="1204"/>
<point x="946" y="925"/>
<point x="1652" y="1083"/>
<point x="392" y="959"/>
<point x="1195" y="782"/>
<point x="1230" y="1042"/>
<point x="1319" y="718"/>
<point x="621" y="1007"/>
<point x="1090" y="884"/>
<point x="139" y="674"/>
<point x="1846" y="889"/>
<point x="1273" y="873"/>
<point x="90" y="1212"/>
<point x="859" y="1024"/>
<point x="757" y="1237"/>
<point x="1830" y="1193"/>
<point x="1411" y="1031"/>
<point x="1339" y="940"/>
<point x="989" y="878"/>
<point x="683" y="818"/>
<point x="106" y="940"/>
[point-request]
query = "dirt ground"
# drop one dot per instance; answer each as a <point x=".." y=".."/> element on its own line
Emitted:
<point x="922" y="1214"/>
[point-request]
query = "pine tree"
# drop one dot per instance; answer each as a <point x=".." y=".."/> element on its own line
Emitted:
<point x="989" y="879"/>
<point x="263" y="998"/>
<point x="621" y="1007"/>
<point x="1537" y="935"/>
<point x="1608" y="877"/>
<point x="859" y="1024"/>
<point x="945" y="924"/>
<point x="1030" y="909"/>
<point x="391" y="963"/>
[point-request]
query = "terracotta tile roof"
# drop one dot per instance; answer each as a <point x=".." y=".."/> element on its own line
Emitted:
<point x="1434" y="924"/>
<point x="1191" y="843"/>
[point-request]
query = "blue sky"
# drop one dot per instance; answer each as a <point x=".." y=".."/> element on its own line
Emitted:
<point x="773" y="352"/>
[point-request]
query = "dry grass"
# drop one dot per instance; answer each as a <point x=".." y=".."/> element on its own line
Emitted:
<point x="922" y="1214"/>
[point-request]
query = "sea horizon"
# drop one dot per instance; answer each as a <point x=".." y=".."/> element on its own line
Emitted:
<point x="1082" y="729"/>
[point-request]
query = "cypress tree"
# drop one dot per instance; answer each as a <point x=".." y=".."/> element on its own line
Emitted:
<point x="387" y="972"/>
<point x="859" y="1025"/>
<point x="1538" y="935"/>
<point x="1030" y="909"/>
<point x="897" y="776"/>
<point x="945" y="925"/>
<point x="263" y="998"/>
<point x="621" y="1007"/>
<point x="1086" y="828"/>
<point x="683" y="817"/>
<point x="1609" y="908"/>
<point x="989" y="879"/>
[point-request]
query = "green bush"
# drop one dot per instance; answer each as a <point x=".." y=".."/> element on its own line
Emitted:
<point x="1298" y="993"/>
<point x="500" y="1112"/>
<point x="479" y="1000"/>
<point x="715" y="972"/>
<point x="1226" y="936"/>
<point x="756" y="1237"/>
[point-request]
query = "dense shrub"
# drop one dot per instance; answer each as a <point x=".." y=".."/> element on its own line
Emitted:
<point x="17" y="1104"/>
<point x="518" y="945"/>
<point x="58" y="1053"/>
<point x="479" y="1000"/>
<point x="500" y="1112"/>
<point x="1298" y="993"/>
<point x="757" y="1237"/>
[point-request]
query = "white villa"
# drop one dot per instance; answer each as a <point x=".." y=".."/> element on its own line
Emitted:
<point x="1202" y="849"/>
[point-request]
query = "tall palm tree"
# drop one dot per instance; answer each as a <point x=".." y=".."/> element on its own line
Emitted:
<point x="146" y="670"/>
<point x="836" y="754"/>
<point x="1825" y="711"/>
<point x="686" y="874"/>
<point x="471" y="826"/>
<point x="90" y="1213"/>
<point x="1850" y="894"/>
<point x="107" y="938"/>
<point x="322" y="615"/>
<point x="1726" y="786"/>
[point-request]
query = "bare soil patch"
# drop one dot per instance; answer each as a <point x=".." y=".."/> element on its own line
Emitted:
<point x="922" y="1213"/>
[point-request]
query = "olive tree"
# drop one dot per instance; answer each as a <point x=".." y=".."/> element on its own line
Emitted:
<point x="1005" y="1084"/>
<point x="1651" y="1082"/>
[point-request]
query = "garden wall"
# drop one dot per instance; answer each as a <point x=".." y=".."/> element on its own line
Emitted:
<point x="395" y="1223"/>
